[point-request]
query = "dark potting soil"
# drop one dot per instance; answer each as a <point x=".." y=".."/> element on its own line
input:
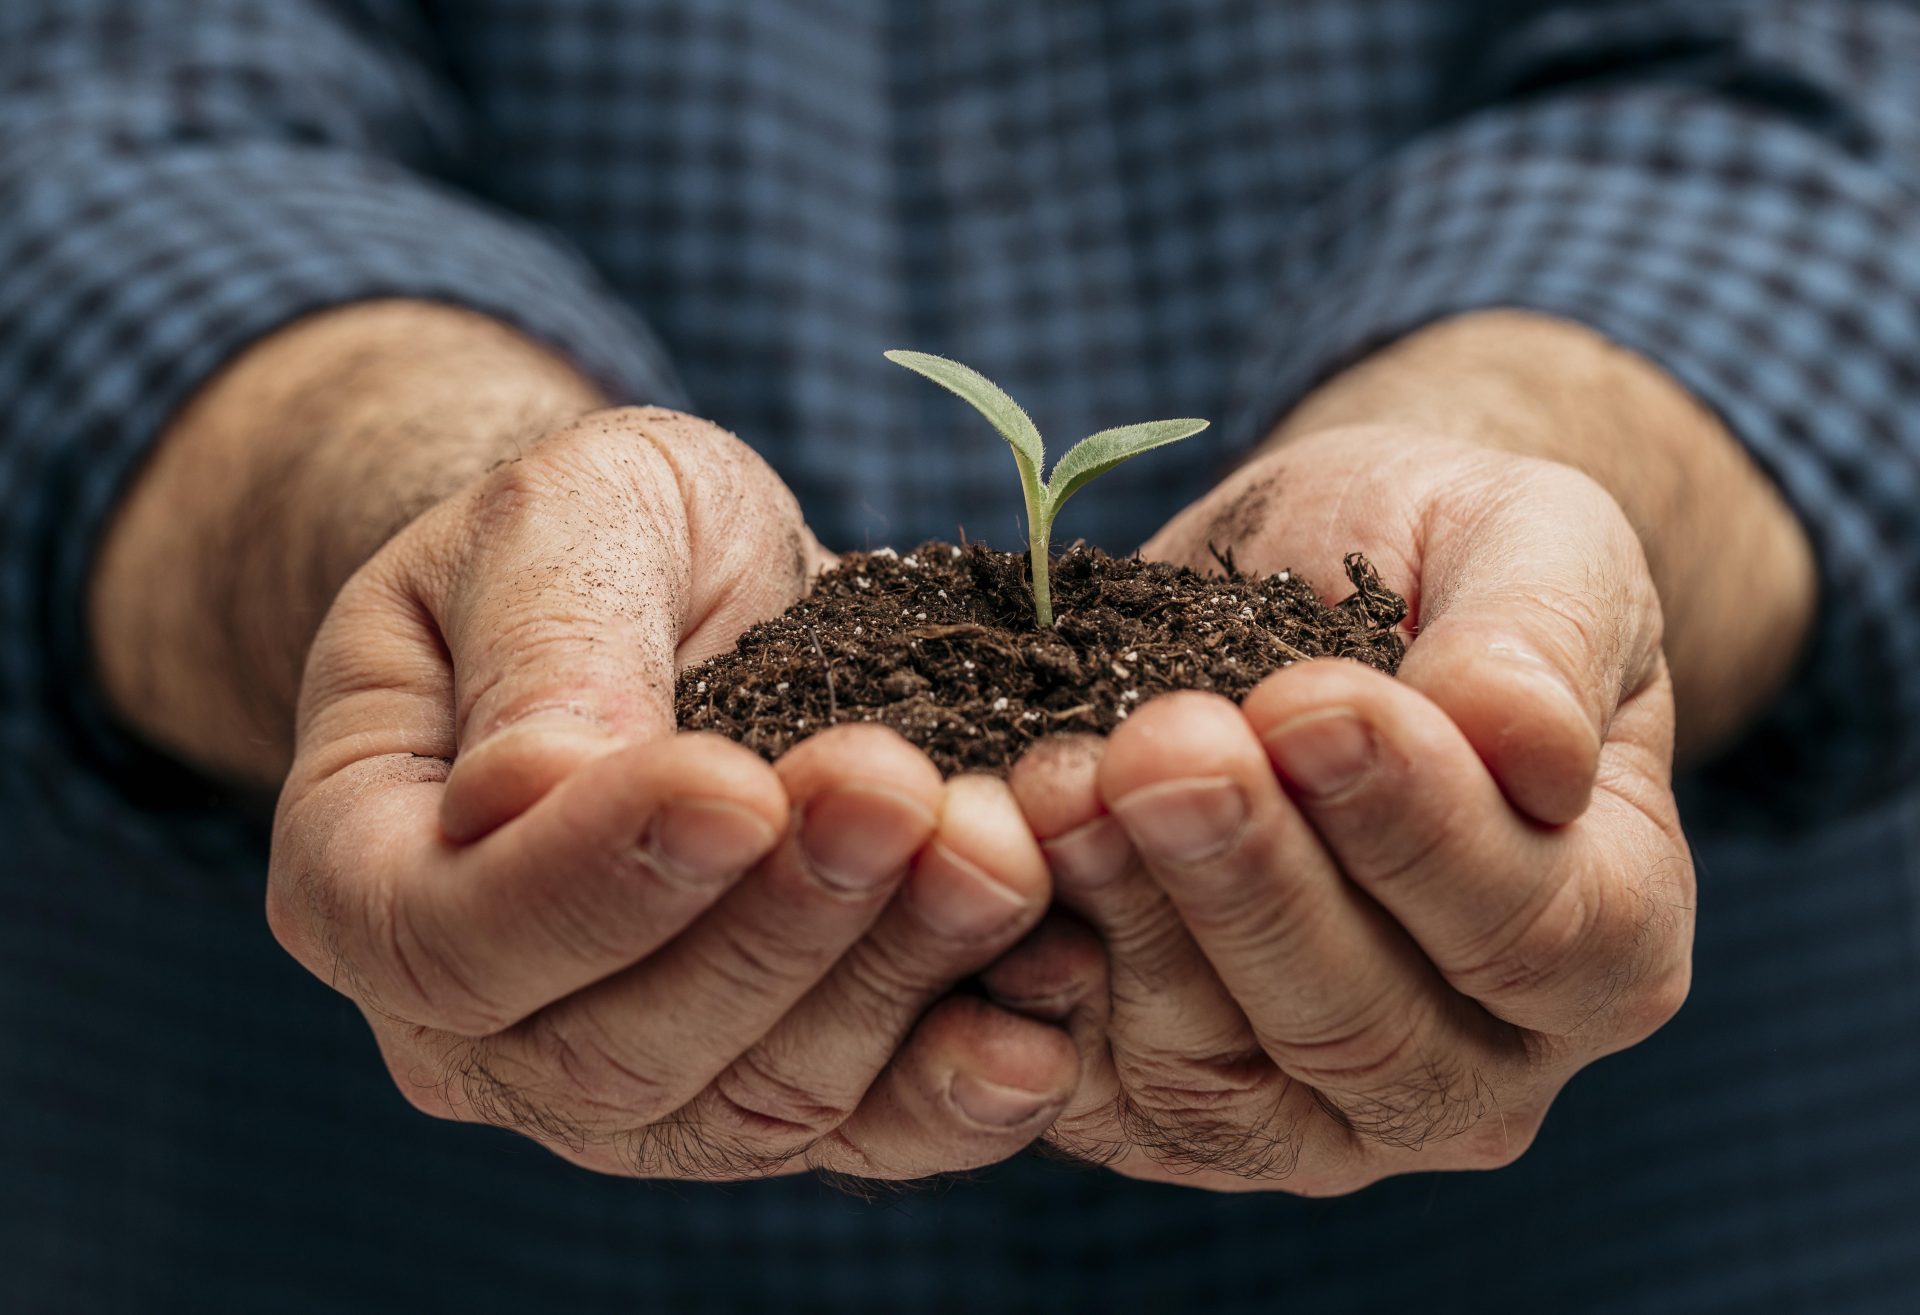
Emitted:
<point x="940" y="644"/>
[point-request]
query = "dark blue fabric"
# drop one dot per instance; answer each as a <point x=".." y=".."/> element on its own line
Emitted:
<point x="1116" y="209"/>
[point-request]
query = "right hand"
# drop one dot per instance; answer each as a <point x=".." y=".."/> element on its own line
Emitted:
<point x="653" y="953"/>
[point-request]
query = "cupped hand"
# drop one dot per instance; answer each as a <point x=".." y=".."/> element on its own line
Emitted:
<point x="653" y="953"/>
<point x="1361" y="926"/>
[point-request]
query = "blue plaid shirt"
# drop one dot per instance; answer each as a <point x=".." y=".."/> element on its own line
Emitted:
<point x="1120" y="208"/>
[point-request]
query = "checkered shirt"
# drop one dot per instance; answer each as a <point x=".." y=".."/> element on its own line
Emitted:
<point x="1117" y="209"/>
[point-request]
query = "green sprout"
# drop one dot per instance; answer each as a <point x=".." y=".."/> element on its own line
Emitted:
<point x="1086" y="460"/>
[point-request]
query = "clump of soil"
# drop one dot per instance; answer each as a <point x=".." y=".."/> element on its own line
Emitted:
<point x="940" y="644"/>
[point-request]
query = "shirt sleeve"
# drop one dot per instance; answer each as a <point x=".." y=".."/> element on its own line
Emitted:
<point x="1733" y="191"/>
<point x="177" y="179"/>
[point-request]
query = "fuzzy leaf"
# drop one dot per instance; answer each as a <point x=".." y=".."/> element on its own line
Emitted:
<point x="985" y="396"/>
<point x="1094" y="456"/>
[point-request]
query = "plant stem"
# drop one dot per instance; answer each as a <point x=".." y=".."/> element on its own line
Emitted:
<point x="1039" y="536"/>
<point x="1037" y="563"/>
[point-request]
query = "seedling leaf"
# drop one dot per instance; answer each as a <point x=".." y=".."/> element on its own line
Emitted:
<point x="1096" y="454"/>
<point x="1005" y="414"/>
<point x="1089" y="458"/>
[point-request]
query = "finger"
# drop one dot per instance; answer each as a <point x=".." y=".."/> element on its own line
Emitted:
<point x="974" y="1085"/>
<point x="1289" y="1140"/>
<point x="1058" y="974"/>
<point x="1166" y="997"/>
<point x="574" y="579"/>
<point x="1195" y="1078"/>
<point x="1545" y="928"/>
<point x="973" y="891"/>
<point x="470" y="939"/>
<point x="751" y="545"/>
<point x="641" y="1044"/>
<point x="554" y="663"/>
<point x="1338" y="995"/>
<point x="1535" y="621"/>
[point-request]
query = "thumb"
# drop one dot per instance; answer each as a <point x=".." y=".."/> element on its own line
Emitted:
<point x="581" y="576"/>
<point x="1537" y="619"/>
<point x="560" y="615"/>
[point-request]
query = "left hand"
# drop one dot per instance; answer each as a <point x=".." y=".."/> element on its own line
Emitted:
<point x="1360" y="926"/>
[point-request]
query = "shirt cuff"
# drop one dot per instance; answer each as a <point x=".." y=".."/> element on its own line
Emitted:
<point x="1770" y="272"/>
<point x="141" y="278"/>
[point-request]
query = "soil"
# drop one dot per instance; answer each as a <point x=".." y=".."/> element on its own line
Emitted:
<point x="940" y="644"/>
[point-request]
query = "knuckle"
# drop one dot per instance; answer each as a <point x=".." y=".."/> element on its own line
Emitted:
<point x="424" y="982"/>
<point x="596" y="1073"/>
<point x="1655" y="1003"/>
<point x="1190" y="1141"/>
<point x="735" y="485"/>
<point x="508" y="492"/>
<point x="585" y="930"/>
<point x="638" y="416"/>
<point x="1227" y="1115"/>
<point x="1150" y="954"/>
<point x="674" y="431"/>
<point x="1225" y="904"/>
<point x="423" y="1088"/>
<point x="883" y="981"/>
<point x="1421" y="1104"/>
<point x="287" y="917"/>
<point x="1246" y="903"/>
<point x="1044" y="991"/>
<point x="1364" y="1046"/>
<point x="1579" y="622"/>
<point x="1181" y="1082"/>
<point x="428" y="1098"/>
<point x="638" y="870"/>
<point x="1597" y="632"/>
<point x="842" y="1161"/>
<point x="482" y="1087"/>
<point x="1536" y="952"/>
<point x="764" y="1097"/>
<point x="301" y="907"/>
<point x="516" y="494"/>
<point x="1632" y="938"/>
<point x="593" y="931"/>
<point x="501" y="540"/>
<point x="1401" y="854"/>
<point x="749" y="958"/>
<point x="1376" y="1076"/>
<point x="542" y="639"/>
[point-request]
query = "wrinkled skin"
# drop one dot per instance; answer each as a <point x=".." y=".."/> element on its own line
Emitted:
<point x="652" y="953"/>
<point x="1359" y="926"/>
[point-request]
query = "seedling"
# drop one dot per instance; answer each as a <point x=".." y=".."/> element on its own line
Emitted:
<point x="1085" y="461"/>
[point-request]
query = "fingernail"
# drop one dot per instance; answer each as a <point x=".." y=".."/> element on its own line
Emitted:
<point x="956" y="897"/>
<point x="701" y="841"/>
<point x="1322" y="752"/>
<point x="1185" y="821"/>
<point x="857" y="837"/>
<point x="1090" y="855"/>
<point x="993" y="1105"/>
